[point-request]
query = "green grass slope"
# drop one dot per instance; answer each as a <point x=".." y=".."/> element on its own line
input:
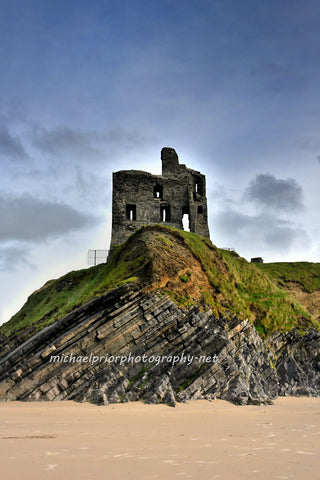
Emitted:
<point x="306" y="275"/>
<point x="59" y="297"/>
<point x="246" y="289"/>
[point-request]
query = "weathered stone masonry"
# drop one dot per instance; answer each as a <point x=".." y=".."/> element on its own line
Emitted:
<point x="140" y="198"/>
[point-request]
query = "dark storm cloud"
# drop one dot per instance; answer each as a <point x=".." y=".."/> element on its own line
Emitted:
<point x="28" y="218"/>
<point x="262" y="230"/>
<point x="267" y="191"/>
<point x="89" y="144"/>
<point x="10" y="145"/>
<point x="12" y="258"/>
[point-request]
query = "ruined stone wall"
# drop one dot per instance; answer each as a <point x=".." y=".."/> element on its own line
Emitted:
<point x="140" y="198"/>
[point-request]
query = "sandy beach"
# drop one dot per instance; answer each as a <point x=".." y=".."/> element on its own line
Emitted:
<point x="203" y="440"/>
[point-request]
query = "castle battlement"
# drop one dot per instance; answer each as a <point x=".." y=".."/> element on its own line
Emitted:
<point x="140" y="198"/>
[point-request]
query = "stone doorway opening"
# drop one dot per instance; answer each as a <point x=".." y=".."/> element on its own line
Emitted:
<point x="185" y="219"/>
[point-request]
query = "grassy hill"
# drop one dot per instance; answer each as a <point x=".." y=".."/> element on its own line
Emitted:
<point x="189" y="269"/>
<point x="306" y="275"/>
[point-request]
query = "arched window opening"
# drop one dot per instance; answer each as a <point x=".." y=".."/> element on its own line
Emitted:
<point x="200" y="209"/>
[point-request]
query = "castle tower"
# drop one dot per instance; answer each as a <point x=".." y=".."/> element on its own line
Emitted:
<point x="140" y="198"/>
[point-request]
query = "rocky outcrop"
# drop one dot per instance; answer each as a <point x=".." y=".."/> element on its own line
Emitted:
<point x="129" y="345"/>
<point x="298" y="362"/>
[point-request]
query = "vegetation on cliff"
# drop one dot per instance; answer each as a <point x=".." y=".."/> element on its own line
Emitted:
<point x="305" y="274"/>
<point x="190" y="270"/>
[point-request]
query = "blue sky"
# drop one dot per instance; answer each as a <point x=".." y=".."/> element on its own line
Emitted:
<point x="87" y="88"/>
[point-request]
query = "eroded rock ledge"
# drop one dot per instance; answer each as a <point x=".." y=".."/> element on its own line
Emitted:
<point x="127" y="321"/>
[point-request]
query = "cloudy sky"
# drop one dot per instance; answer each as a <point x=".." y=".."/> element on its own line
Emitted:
<point x="90" y="87"/>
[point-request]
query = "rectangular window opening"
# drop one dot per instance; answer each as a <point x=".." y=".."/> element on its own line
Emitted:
<point x="165" y="213"/>
<point x="131" y="212"/>
<point x="198" y="186"/>
<point x="200" y="209"/>
<point x="158" y="191"/>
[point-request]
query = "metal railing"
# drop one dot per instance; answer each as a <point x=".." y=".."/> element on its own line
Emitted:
<point x="96" y="257"/>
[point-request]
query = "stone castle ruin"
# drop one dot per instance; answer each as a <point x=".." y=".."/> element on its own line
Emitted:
<point x="140" y="198"/>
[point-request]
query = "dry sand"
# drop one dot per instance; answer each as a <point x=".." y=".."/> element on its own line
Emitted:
<point x="201" y="440"/>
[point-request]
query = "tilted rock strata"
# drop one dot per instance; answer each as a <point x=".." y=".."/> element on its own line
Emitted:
<point x="127" y="321"/>
<point x="298" y="362"/>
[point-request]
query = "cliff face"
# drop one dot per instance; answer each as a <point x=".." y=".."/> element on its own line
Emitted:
<point x="160" y="338"/>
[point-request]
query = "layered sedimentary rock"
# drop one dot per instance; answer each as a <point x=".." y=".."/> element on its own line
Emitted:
<point x="130" y="322"/>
